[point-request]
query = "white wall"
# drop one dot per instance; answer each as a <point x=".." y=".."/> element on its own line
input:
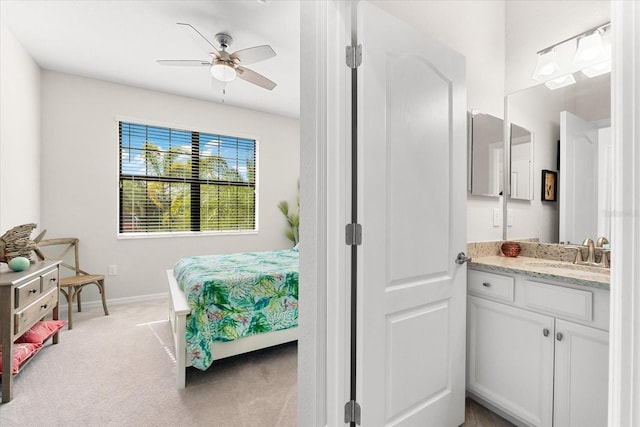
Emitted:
<point x="19" y="134"/>
<point x="80" y="175"/>
<point x="476" y="29"/>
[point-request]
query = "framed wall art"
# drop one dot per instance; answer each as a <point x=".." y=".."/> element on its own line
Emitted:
<point x="549" y="186"/>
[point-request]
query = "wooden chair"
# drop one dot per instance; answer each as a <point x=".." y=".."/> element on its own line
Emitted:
<point x="72" y="278"/>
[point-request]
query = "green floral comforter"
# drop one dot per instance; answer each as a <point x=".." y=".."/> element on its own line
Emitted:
<point x="237" y="295"/>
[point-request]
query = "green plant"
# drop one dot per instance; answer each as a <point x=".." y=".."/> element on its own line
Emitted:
<point x="293" y="220"/>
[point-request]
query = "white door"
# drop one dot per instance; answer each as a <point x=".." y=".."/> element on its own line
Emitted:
<point x="578" y="178"/>
<point x="412" y="198"/>
<point x="582" y="375"/>
<point x="605" y="181"/>
<point x="510" y="360"/>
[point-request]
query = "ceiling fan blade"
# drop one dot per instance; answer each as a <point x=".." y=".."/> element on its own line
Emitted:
<point x="183" y="62"/>
<point x="215" y="49"/>
<point x="254" y="54"/>
<point x="255" y="78"/>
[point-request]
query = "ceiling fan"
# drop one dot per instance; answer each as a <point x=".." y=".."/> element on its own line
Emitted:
<point x="226" y="66"/>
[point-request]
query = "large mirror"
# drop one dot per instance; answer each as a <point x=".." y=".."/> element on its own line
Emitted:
<point x="487" y="155"/>
<point x="572" y="140"/>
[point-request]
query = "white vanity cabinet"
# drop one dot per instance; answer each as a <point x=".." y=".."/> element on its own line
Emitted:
<point x="509" y="360"/>
<point x="581" y="381"/>
<point x="537" y="352"/>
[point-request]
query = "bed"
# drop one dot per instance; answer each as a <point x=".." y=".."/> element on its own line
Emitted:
<point x="224" y="305"/>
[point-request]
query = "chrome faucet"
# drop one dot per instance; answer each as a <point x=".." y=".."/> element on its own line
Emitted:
<point x="603" y="244"/>
<point x="602" y="241"/>
<point x="578" y="258"/>
<point x="591" y="251"/>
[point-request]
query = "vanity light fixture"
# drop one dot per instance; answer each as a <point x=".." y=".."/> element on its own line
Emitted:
<point x="597" y="70"/>
<point x="591" y="54"/>
<point x="561" y="81"/>
<point x="546" y="65"/>
<point x="589" y="48"/>
<point x="604" y="66"/>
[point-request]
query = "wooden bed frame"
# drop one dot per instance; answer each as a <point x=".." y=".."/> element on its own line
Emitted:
<point x="178" y="311"/>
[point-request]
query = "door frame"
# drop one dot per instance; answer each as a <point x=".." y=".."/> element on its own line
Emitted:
<point x="322" y="371"/>
<point x="323" y="345"/>
<point x="624" y="366"/>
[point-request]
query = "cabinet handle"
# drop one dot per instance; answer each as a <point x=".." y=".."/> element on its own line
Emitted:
<point x="559" y="336"/>
<point x="545" y="332"/>
<point x="486" y="284"/>
<point x="44" y="306"/>
<point x="53" y="279"/>
<point x="33" y="291"/>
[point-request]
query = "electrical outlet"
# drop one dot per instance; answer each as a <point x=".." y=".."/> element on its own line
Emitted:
<point x="113" y="270"/>
<point x="509" y="217"/>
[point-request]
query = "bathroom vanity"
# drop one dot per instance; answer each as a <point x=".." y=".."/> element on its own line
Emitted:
<point x="538" y="340"/>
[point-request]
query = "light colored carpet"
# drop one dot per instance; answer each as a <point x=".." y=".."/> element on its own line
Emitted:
<point x="119" y="370"/>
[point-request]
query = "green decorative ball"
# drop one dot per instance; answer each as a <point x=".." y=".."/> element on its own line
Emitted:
<point x="19" y="263"/>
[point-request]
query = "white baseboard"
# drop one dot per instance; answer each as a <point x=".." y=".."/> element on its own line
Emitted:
<point x="118" y="301"/>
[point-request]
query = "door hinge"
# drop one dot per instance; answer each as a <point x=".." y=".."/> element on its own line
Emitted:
<point x="352" y="412"/>
<point x="354" y="56"/>
<point x="353" y="234"/>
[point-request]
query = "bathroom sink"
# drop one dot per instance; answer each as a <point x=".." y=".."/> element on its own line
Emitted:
<point x="568" y="266"/>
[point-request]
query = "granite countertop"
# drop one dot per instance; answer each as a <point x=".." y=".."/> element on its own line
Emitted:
<point x="561" y="271"/>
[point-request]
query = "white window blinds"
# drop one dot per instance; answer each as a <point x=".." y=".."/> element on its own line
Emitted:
<point x="174" y="180"/>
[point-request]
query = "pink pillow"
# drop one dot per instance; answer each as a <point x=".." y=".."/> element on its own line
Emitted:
<point x="21" y="352"/>
<point x="41" y="331"/>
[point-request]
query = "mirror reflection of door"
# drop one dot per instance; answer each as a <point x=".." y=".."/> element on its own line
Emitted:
<point x="487" y="155"/>
<point x="585" y="153"/>
<point x="521" y="146"/>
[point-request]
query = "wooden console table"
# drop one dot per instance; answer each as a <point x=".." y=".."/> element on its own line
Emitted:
<point x="25" y="298"/>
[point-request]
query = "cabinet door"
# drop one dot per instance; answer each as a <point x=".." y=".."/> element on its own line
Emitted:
<point x="582" y="375"/>
<point x="510" y="359"/>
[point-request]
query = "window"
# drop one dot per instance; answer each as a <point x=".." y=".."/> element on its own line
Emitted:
<point x="174" y="180"/>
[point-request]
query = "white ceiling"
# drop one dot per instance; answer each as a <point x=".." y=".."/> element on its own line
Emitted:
<point x="120" y="41"/>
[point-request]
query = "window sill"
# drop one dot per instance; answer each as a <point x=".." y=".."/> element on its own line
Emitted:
<point x="161" y="235"/>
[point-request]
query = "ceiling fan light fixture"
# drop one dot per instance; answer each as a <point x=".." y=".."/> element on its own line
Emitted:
<point x="223" y="72"/>
<point x="225" y="66"/>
